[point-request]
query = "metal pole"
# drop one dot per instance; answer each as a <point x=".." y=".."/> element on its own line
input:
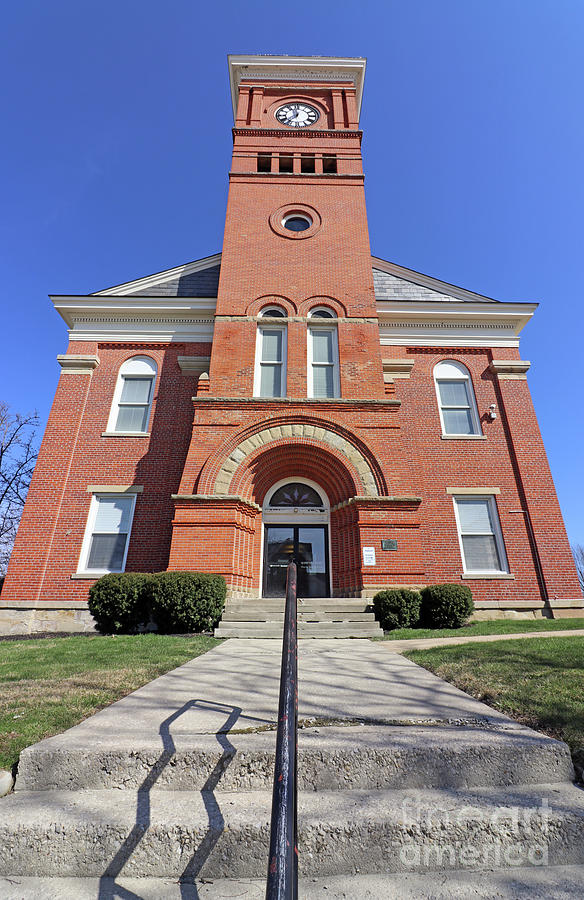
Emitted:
<point x="282" y="883"/>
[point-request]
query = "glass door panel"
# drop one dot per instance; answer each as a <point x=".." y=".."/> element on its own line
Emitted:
<point x="312" y="562"/>
<point x="278" y="552"/>
<point x="307" y="546"/>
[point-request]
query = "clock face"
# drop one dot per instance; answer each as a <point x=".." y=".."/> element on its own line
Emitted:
<point x="297" y="115"/>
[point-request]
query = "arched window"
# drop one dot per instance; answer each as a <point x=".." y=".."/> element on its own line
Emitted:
<point x="321" y="312"/>
<point x="132" y="402"/>
<point x="456" y="399"/>
<point x="273" y="312"/>
<point x="296" y="494"/>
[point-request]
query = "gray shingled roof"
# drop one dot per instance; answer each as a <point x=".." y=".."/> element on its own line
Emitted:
<point x="197" y="284"/>
<point x="390" y="287"/>
<point x="204" y="283"/>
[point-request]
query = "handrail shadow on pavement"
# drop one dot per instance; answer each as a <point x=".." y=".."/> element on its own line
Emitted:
<point x="108" y="888"/>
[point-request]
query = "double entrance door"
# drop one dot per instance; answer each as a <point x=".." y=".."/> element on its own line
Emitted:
<point x="307" y="546"/>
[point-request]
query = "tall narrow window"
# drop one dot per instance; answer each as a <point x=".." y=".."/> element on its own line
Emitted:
<point x="456" y="400"/>
<point x="105" y="545"/>
<point x="132" y="402"/>
<point x="479" y="531"/>
<point x="323" y="364"/>
<point x="270" y="373"/>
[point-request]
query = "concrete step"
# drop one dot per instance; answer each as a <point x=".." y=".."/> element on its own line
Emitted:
<point x="304" y="615"/>
<point x="263" y="606"/>
<point x="534" y="883"/>
<point x="187" y="834"/>
<point x="305" y="630"/>
<point x="331" y="757"/>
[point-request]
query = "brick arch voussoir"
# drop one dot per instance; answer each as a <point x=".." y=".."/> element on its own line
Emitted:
<point x="284" y="459"/>
<point x="233" y="451"/>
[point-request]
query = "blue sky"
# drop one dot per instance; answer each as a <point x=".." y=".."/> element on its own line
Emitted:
<point x="117" y="144"/>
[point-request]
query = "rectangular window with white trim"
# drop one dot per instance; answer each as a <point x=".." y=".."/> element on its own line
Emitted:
<point x="479" y="533"/>
<point x="270" y="371"/>
<point x="323" y="363"/>
<point x="105" y="545"/>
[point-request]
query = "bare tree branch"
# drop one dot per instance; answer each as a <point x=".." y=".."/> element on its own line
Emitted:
<point x="18" y="453"/>
<point x="578" y="554"/>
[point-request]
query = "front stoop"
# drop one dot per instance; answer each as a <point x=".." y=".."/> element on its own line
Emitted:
<point x="374" y="801"/>
<point x="322" y="617"/>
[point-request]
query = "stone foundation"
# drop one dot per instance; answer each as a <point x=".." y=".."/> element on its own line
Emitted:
<point x="35" y="617"/>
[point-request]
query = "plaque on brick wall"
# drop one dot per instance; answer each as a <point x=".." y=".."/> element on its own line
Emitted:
<point x="368" y="556"/>
<point x="388" y="544"/>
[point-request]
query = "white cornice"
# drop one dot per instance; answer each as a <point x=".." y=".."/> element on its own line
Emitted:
<point x="131" y="287"/>
<point x="297" y="68"/>
<point x="139" y="319"/>
<point x="432" y="324"/>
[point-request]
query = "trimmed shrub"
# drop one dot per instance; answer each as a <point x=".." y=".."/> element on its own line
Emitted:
<point x="187" y="601"/>
<point x="119" y="603"/>
<point x="446" y="605"/>
<point x="399" y="608"/>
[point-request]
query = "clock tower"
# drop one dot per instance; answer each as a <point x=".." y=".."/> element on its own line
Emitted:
<point x="296" y="359"/>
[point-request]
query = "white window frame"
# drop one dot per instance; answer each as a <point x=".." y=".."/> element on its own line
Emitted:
<point x="462" y="374"/>
<point x="271" y="324"/>
<point x="315" y="325"/>
<point x="497" y="533"/>
<point x="83" y="567"/>
<point x="135" y="367"/>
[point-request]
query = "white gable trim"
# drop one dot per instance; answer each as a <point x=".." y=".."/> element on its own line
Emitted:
<point x="131" y="287"/>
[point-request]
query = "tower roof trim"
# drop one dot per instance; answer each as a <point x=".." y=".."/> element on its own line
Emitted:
<point x="302" y="68"/>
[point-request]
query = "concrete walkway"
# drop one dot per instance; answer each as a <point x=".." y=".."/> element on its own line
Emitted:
<point x="425" y="643"/>
<point x="235" y="687"/>
<point x="167" y="792"/>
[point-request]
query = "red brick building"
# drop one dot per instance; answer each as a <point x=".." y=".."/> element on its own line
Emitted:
<point x="292" y="395"/>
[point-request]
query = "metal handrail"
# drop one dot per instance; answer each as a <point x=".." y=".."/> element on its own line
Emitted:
<point x="282" y="882"/>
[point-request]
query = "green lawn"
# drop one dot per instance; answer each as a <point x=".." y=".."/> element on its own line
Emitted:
<point x="51" y="684"/>
<point x="501" y="626"/>
<point x="539" y="681"/>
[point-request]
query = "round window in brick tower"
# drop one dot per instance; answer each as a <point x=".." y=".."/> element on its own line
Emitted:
<point x="296" y="222"/>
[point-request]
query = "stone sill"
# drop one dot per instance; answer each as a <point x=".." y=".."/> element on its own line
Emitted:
<point x="305" y="401"/>
<point x="463" y="437"/>
<point x="124" y="434"/>
<point x="342" y="176"/>
<point x="90" y="576"/>
<point x="489" y="576"/>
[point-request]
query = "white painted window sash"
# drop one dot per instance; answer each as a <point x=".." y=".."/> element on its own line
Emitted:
<point x="261" y="360"/>
<point x="494" y="532"/>
<point x="86" y="545"/>
<point x="312" y="364"/>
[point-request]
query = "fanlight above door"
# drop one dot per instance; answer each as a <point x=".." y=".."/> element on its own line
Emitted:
<point x="296" y="494"/>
